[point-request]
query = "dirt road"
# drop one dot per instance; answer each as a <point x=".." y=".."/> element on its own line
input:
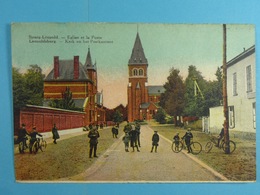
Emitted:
<point x="116" y="165"/>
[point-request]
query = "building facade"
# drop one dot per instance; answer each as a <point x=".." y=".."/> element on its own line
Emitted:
<point x="241" y="91"/>
<point x="241" y="94"/>
<point x="142" y="99"/>
<point x="82" y="82"/>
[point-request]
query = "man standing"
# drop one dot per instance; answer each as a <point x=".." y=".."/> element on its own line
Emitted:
<point x="93" y="135"/>
<point x="55" y="134"/>
<point x="22" y="136"/>
<point x="187" y="137"/>
<point x="221" y="135"/>
<point x="138" y="129"/>
<point x="155" y="141"/>
<point x="133" y="135"/>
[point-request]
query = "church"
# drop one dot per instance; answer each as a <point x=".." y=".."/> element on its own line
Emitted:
<point x="142" y="99"/>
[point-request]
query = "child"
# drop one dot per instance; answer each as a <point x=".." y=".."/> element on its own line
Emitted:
<point x="155" y="140"/>
<point x="126" y="139"/>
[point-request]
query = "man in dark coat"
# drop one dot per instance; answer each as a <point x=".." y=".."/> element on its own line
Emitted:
<point x="22" y="135"/>
<point x="155" y="141"/>
<point x="221" y="135"/>
<point x="55" y="134"/>
<point x="133" y="135"/>
<point x="33" y="136"/>
<point x="187" y="137"/>
<point x="138" y="129"/>
<point x="93" y="135"/>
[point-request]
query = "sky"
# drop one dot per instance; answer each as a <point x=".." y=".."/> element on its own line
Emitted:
<point x="165" y="46"/>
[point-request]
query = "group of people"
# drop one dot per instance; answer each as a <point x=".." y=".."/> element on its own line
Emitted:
<point x="23" y="133"/>
<point x="132" y="136"/>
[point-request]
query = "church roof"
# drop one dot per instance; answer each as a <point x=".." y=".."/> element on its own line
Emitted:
<point x="156" y="89"/>
<point x="66" y="71"/>
<point x="88" y="64"/>
<point x="137" y="56"/>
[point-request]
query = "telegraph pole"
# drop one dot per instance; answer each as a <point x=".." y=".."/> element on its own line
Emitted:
<point x="225" y="102"/>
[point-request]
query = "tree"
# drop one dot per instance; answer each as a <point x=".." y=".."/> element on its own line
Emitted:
<point x="67" y="101"/>
<point x="160" y="116"/>
<point x="34" y="85"/>
<point x="194" y="103"/>
<point x="20" y="95"/>
<point x="172" y="100"/>
<point x="118" y="116"/>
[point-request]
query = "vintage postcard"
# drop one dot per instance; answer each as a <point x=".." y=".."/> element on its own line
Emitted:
<point x="134" y="102"/>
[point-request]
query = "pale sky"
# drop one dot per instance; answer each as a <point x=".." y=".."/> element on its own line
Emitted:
<point x="165" y="46"/>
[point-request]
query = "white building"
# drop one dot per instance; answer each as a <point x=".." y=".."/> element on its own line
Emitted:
<point x="241" y="85"/>
<point x="241" y="92"/>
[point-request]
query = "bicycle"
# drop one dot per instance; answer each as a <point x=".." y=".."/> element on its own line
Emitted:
<point x="222" y="145"/>
<point x="39" y="143"/>
<point x="23" y="145"/>
<point x="195" y="147"/>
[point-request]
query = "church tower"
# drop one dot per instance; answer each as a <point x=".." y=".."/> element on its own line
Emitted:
<point x="137" y="84"/>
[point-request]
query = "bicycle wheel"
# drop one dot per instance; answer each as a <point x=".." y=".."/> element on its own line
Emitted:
<point x="177" y="146"/>
<point x="21" y="148"/>
<point x="195" y="147"/>
<point x="232" y="146"/>
<point x="208" y="147"/>
<point x="43" y="145"/>
<point x="35" y="147"/>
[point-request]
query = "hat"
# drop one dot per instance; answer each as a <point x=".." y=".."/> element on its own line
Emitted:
<point x="155" y="131"/>
<point x="34" y="127"/>
<point x="23" y="125"/>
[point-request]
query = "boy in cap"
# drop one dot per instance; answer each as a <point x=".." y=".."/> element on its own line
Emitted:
<point x="187" y="137"/>
<point x="155" y="140"/>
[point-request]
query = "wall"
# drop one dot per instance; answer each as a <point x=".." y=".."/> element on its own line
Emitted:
<point x="44" y="118"/>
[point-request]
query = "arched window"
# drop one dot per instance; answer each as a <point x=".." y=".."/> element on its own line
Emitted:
<point x="135" y="72"/>
<point x="141" y="72"/>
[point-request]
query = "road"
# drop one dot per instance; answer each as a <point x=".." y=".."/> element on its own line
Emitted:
<point x="116" y="165"/>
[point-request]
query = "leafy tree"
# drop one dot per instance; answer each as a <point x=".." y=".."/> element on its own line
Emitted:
<point x="160" y="116"/>
<point x="194" y="103"/>
<point x="172" y="100"/>
<point x="34" y="85"/>
<point x="20" y="95"/>
<point x="67" y="101"/>
<point x="118" y="116"/>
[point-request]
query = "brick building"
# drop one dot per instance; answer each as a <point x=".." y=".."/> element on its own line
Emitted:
<point x="82" y="81"/>
<point x="142" y="99"/>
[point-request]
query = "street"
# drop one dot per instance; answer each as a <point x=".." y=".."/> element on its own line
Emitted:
<point x="116" y="165"/>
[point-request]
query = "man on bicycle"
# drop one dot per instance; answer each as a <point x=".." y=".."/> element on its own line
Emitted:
<point x="221" y="135"/>
<point x="33" y="135"/>
<point x="22" y="136"/>
<point x="187" y="137"/>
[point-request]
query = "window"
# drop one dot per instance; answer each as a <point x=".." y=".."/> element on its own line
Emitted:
<point x="234" y="84"/>
<point x="231" y="112"/>
<point x="135" y="72"/>
<point x="141" y="72"/>
<point x="249" y="78"/>
<point x="254" y="116"/>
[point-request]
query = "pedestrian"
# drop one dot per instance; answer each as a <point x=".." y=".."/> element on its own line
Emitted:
<point x="133" y="137"/>
<point x="187" y="137"/>
<point x="176" y="140"/>
<point x="93" y="142"/>
<point x="138" y="129"/>
<point x="115" y="131"/>
<point x="126" y="139"/>
<point x="221" y="135"/>
<point x="33" y="136"/>
<point x="127" y="127"/>
<point x="55" y="134"/>
<point x="22" y="136"/>
<point x="155" y="141"/>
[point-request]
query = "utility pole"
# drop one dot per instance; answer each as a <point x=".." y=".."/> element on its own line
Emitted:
<point x="225" y="102"/>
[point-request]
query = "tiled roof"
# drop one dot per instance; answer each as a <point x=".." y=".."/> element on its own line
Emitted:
<point x="66" y="71"/>
<point x="137" y="56"/>
<point x="156" y="89"/>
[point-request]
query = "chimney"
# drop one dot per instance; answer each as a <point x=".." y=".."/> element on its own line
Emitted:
<point x="76" y="67"/>
<point x="56" y="67"/>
